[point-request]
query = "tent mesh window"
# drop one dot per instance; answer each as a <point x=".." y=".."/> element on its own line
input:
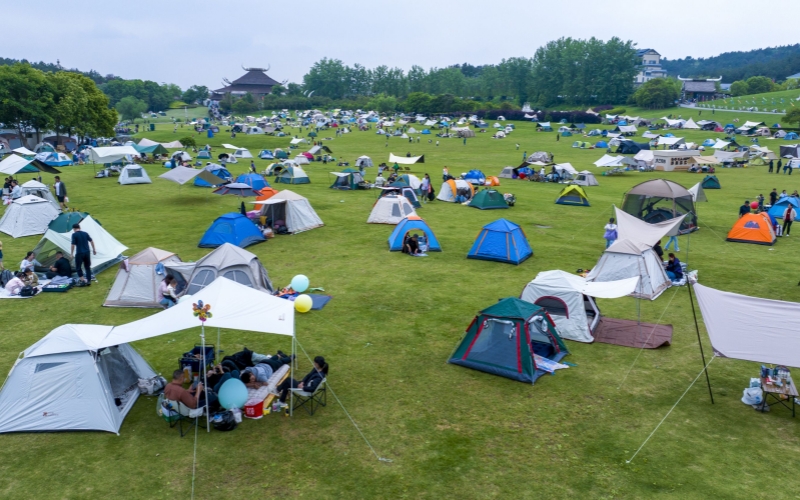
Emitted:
<point x="201" y="280"/>
<point x="240" y="277"/>
<point x="553" y="305"/>
<point x="121" y="376"/>
<point x="134" y="172"/>
<point x="395" y="210"/>
<point x="40" y="367"/>
<point x="496" y="344"/>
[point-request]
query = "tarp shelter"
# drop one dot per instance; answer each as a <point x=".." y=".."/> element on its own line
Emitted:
<point x="569" y="300"/>
<point x="698" y="194"/>
<point x="109" y="250"/>
<point x="658" y="200"/>
<point x="111" y="154"/>
<point x="501" y="241"/>
<point x="255" y="181"/>
<point x="572" y="195"/>
<point x="632" y="255"/>
<point x="390" y="210"/>
<point x="182" y="175"/>
<point x="133" y="174"/>
<point x="226" y="261"/>
<point x="736" y="326"/>
<point x="295" y="210"/>
<point x="347" y="180"/>
<point x="565" y="170"/>
<point x="27" y="216"/>
<point x="363" y="161"/>
<point x="233" y="228"/>
<point x="609" y="161"/>
<point x="778" y="210"/>
<point x="66" y="382"/>
<point x="36" y="188"/>
<point x="406" y="160"/>
<point x="505" y="338"/>
<point x="457" y="190"/>
<point x="13" y="164"/>
<point x="585" y="178"/>
<point x="690" y="124"/>
<point x="488" y="199"/>
<point x="710" y="182"/>
<point x="138" y="279"/>
<point x="412" y="224"/>
<point x="155" y="149"/>
<point x="217" y="171"/>
<point x="753" y="228"/>
<point x="292" y="175"/>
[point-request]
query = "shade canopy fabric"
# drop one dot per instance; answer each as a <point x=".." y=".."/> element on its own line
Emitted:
<point x="406" y="160"/>
<point x="737" y="326"/>
<point x="182" y="175"/>
<point x="23" y="151"/>
<point x="698" y="194"/>
<point x="602" y="290"/>
<point x="636" y="230"/>
<point x="110" y="154"/>
<point x="233" y="306"/>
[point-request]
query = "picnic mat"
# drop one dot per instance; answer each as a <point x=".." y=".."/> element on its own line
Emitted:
<point x="319" y="301"/>
<point x="631" y="334"/>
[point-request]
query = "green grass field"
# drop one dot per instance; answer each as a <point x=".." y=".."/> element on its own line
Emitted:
<point x="450" y="432"/>
<point x="762" y="101"/>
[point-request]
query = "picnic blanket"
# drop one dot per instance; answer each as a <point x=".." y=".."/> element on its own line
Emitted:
<point x="5" y="295"/>
<point x="629" y="333"/>
<point x="319" y="301"/>
<point x="548" y="365"/>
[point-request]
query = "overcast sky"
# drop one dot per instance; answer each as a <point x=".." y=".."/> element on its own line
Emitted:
<point x="201" y="42"/>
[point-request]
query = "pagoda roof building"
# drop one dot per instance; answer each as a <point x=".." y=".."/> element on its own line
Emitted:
<point x="255" y="81"/>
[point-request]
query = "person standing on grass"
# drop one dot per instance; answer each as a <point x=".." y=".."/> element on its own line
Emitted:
<point x="80" y="253"/>
<point x="611" y="232"/>
<point x="445" y="173"/>
<point x="780" y="163"/>
<point x="673" y="240"/>
<point x="744" y="209"/>
<point x="252" y="166"/>
<point x="425" y="187"/>
<point x="773" y="197"/>
<point x="788" y="218"/>
<point x="61" y="193"/>
<point x="771" y="165"/>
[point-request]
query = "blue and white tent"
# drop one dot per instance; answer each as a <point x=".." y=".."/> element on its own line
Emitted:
<point x="410" y="224"/>
<point x="54" y="159"/>
<point x="233" y="228"/>
<point x="501" y="241"/>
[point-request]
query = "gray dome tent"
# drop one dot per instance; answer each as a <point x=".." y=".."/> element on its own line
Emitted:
<point x="228" y="261"/>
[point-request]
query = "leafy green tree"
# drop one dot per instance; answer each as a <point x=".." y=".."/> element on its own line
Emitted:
<point x="26" y="98"/>
<point x="294" y="89"/>
<point x="69" y="101"/>
<point x="418" y="102"/>
<point x="759" y="84"/>
<point x="131" y="108"/>
<point x="739" y="87"/>
<point x="383" y="103"/>
<point x="658" y="93"/>
<point x="195" y="94"/>
<point x="328" y="78"/>
<point x="188" y="142"/>
<point x="792" y="116"/>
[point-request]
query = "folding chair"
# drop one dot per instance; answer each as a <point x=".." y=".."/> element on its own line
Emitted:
<point x="175" y="412"/>
<point x="315" y="399"/>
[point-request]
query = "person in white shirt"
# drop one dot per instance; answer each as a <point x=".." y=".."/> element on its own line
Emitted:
<point x="14" y="285"/>
<point x="61" y="192"/>
<point x="16" y="190"/>
<point x="29" y="262"/>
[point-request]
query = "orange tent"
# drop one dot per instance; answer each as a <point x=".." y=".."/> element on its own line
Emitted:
<point x="266" y="193"/>
<point x="492" y="181"/>
<point x="753" y="228"/>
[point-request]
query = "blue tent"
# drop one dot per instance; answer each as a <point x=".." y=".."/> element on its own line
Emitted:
<point x="426" y="131"/>
<point x="255" y="181"/>
<point x="791" y="136"/>
<point x="233" y="228"/>
<point x="709" y="142"/>
<point x="670" y="134"/>
<point x="407" y="225"/>
<point x="475" y="177"/>
<point x="779" y="208"/>
<point x="601" y="144"/>
<point x="622" y="122"/>
<point x="604" y="132"/>
<point x="266" y="154"/>
<point x="220" y="172"/>
<point x="501" y="241"/>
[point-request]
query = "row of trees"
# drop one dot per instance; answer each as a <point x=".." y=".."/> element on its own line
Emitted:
<point x="566" y="71"/>
<point x="775" y="63"/>
<point x="657" y="93"/>
<point x="65" y="102"/>
<point x="760" y="85"/>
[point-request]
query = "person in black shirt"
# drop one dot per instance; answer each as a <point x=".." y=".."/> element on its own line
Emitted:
<point x="659" y="251"/>
<point x="80" y="253"/>
<point x="744" y="209"/>
<point x="60" y="267"/>
<point x="411" y="245"/>
<point x="773" y="196"/>
<point x="309" y="383"/>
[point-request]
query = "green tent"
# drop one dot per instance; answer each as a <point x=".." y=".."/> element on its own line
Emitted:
<point x="504" y="337"/>
<point x="488" y="199"/>
<point x="155" y="149"/>
<point x="63" y="223"/>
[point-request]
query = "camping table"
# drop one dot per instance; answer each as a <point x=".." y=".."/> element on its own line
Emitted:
<point x="788" y="389"/>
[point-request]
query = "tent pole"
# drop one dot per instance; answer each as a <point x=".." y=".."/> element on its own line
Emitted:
<point x="291" y="375"/>
<point x="700" y="343"/>
<point x="205" y="375"/>
<point x="218" y="350"/>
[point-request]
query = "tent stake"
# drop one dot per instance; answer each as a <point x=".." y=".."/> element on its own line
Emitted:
<point x="699" y="342"/>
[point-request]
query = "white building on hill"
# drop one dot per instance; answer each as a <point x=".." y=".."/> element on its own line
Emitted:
<point x="649" y="66"/>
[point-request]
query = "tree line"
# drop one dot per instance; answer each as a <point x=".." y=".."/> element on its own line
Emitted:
<point x="775" y="63"/>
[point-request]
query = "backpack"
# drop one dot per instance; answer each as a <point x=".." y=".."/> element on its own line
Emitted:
<point x="28" y="291"/>
<point x="5" y="277"/>
<point x="224" y="421"/>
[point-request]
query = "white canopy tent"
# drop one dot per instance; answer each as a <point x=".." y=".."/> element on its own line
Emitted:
<point x="567" y="168"/>
<point x="110" y="154"/>
<point x="569" y="300"/>
<point x="610" y="161"/>
<point x="645" y="158"/>
<point x="736" y="326"/>
<point x="720" y="144"/>
<point x="27" y="216"/>
<point x="406" y="160"/>
<point x="690" y="124"/>
<point x="12" y="164"/>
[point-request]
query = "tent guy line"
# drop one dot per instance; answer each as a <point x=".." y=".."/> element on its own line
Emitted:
<point x="670" y="410"/>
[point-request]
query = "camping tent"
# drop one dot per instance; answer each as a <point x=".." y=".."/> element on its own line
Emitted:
<point x="658" y="200"/>
<point x="401" y="188"/>
<point x="27" y="216"/>
<point x="217" y="170"/>
<point x="501" y="241"/>
<point x="585" y="178"/>
<point x="488" y="199"/>
<point x="134" y="174"/>
<point x="228" y="261"/>
<point x="64" y="382"/>
<point x="233" y="228"/>
<point x="390" y="210"/>
<point x="507" y="173"/>
<point x="412" y="223"/>
<point x="255" y="181"/>
<point x="778" y="210"/>
<point x="457" y="190"/>
<point x="295" y="210"/>
<point x="54" y="159"/>
<point x="753" y="228"/>
<point x="475" y="177"/>
<point x="363" y="161"/>
<point x="572" y="195"/>
<point x="137" y="281"/>
<point x="38" y="189"/>
<point x="292" y="175"/>
<point x="632" y="255"/>
<point x="506" y="338"/>
<point x="569" y="300"/>
<point x="348" y="179"/>
<point x="698" y="194"/>
<point x="109" y="250"/>
<point x="690" y="124"/>
<point x="710" y="182"/>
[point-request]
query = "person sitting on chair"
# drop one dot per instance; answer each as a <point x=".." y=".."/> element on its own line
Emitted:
<point x="674" y="270"/>
<point x="309" y="383"/>
<point x="192" y="399"/>
<point x="60" y="267"/>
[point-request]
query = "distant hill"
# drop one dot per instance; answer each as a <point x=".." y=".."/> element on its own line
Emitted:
<point x="773" y="62"/>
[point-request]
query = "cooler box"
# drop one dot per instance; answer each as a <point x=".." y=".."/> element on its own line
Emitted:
<point x="254" y="409"/>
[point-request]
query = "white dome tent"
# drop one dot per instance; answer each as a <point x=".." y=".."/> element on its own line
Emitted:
<point x="134" y="174"/>
<point x="293" y="209"/>
<point x="27" y="216"/>
<point x="36" y="188"/>
<point x="137" y="281"/>
<point x="390" y="209"/>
